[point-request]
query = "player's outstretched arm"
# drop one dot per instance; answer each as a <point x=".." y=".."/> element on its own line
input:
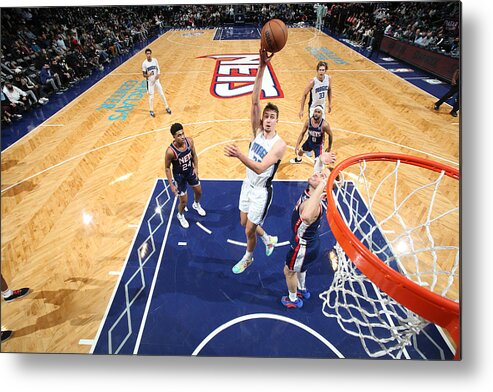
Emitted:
<point x="158" y="70"/>
<point x="167" y="168"/>
<point x="329" y="96"/>
<point x="328" y="131"/>
<point x="194" y="157"/>
<point x="308" y="87"/>
<point x="270" y="159"/>
<point x="257" y="88"/>
<point x="310" y="209"/>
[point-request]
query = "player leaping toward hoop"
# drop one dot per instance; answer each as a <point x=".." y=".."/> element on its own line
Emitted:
<point x="264" y="156"/>
<point x="317" y="128"/>
<point x="151" y="71"/>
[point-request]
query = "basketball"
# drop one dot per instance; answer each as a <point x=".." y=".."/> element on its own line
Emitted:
<point x="274" y="35"/>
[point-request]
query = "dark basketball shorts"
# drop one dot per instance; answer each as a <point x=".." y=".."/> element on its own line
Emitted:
<point x="310" y="146"/>
<point x="301" y="255"/>
<point x="181" y="182"/>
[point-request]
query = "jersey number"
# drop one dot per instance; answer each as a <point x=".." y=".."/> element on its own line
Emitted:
<point x="321" y="95"/>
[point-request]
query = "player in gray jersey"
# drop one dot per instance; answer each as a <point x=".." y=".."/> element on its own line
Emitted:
<point x="265" y="153"/>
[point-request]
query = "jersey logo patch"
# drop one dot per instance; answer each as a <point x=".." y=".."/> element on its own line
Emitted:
<point x="235" y="74"/>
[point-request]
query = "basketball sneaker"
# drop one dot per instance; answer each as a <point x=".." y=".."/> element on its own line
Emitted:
<point x="168" y="110"/>
<point x="197" y="207"/>
<point x="269" y="246"/>
<point x="17" y="294"/>
<point x="183" y="221"/>
<point x="242" y="265"/>
<point x="6" y="335"/>
<point x="152" y="114"/>
<point x="296" y="160"/>
<point x="303" y="294"/>
<point x="292" y="305"/>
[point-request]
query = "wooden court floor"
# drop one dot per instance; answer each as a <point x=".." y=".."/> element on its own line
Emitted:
<point x="74" y="189"/>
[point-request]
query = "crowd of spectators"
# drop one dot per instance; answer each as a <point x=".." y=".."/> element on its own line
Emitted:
<point x="46" y="50"/>
<point x="431" y="25"/>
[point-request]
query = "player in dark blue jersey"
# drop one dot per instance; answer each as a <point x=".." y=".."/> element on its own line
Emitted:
<point x="305" y="242"/>
<point x="182" y="157"/>
<point x="317" y="128"/>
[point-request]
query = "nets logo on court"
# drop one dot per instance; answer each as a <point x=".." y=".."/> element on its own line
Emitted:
<point x="235" y="74"/>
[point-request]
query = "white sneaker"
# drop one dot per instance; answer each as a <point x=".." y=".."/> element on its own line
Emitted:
<point x="197" y="207"/>
<point x="269" y="246"/>
<point x="183" y="221"/>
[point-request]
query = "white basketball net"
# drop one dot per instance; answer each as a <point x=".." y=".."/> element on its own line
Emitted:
<point x="408" y="221"/>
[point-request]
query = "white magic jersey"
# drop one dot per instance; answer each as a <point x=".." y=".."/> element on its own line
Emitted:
<point x="318" y="94"/>
<point x="152" y="68"/>
<point x="259" y="148"/>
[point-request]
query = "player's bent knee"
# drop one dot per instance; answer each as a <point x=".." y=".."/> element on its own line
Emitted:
<point x="288" y="273"/>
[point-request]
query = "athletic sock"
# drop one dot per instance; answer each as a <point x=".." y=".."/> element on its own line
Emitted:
<point x="265" y="238"/>
<point x="7" y="293"/>
<point x="292" y="296"/>
<point x="248" y="255"/>
<point x="301" y="280"/>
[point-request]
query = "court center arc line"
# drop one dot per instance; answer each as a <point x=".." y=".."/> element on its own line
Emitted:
<point x="271" y="316"/>
<point x="215" y="145"/>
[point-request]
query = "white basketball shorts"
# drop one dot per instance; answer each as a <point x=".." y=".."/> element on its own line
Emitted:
<point x="255" y="202"/>
<point x="155" y="84"/>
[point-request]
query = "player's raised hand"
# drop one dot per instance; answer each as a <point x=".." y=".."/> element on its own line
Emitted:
<point x="328" y="158"/>
<point x="264" y="57"/>
<point x="231" y="150"/>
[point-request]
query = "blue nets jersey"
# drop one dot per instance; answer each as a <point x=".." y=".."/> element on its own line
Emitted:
<point x="183" y="161"/>
<point x="300" y="229"/>
<point x="315" y="133"/>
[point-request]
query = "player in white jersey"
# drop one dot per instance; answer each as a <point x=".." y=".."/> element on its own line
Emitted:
<point x="151" y="71"/>
<point x="265" y="153"/>
<point x="320" y="90"/>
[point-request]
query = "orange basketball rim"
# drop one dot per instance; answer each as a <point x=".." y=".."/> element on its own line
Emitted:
<point x="429" y="305"/>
